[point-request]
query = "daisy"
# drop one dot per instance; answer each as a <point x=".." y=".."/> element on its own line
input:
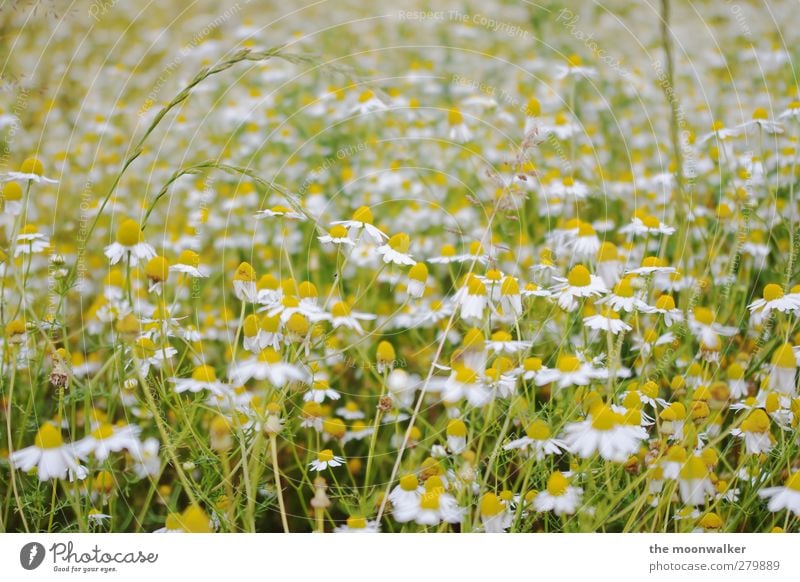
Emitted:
<point x="647" y="225"/>
<point x="459" y="131"/>
<point x="203" y="378"/>
<point x="11" y="199"/>
<point x="560" y="497"/>
<point x="362" y="219"/>
<point x="146" y="353"/>
<point x="651" y="265"/>
<point x="720" y="132"/>
<point x="502" y="341"/>
<point x="694" y="482"/>
<point x="417" y="280"/>
<point x="31" y="170"/>
<point x="603" y="431"/>
<point x="31" y="241"/>
<point x="537" y="442"/>
<point x="435" y="505"/>
<point x="325" y="459"/>
<point x="280" y="212"/>
<point x="761" y="122"/>
<point x="147" y="462"/>
<point x="129" y="243"/>
<point x="783" y="371"/>
<point x="609" y="266"/>
<point x="342" y="316"/>
<point x="472" y="298"/>
<point x="357" y="524"/>
<point x="456" y="433"/>
<point x="579" y="284"/>
<point x="756" y="433"/>
<point x="395" y="250"/>
<point x="52" y="458"/>
<point x="244" y="283"/>
<point x="188" y="263"/>
<point x="622" y="298"/>
<point x="107" y="439"/>
<point x="574" y="68"/>
<point x="337" y="235"/>
<point x="405" y="498"/>
<point x="267" y="366"/>
<point x="665" y="307"/>
<point x="774" y="299"/>
<point x="569" y="371"/>
<point x="320" y="390"/>
<point x="607" y="321"/>
<point x="495" y="514"/>
<point x="786" y="497"/>
<point x="464" y="382"/>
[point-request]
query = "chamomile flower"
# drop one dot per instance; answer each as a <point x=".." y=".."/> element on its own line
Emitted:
<point x="321" y="390"/>
<point x="436" y="505"/>
<point x="362" y="220"/>
<point x="623" y="298"/>
<point x="395" y="250"/>
<point x="783" y="370"/>
<point x="417" y="280"/>
<point x="579" y="284"/>
<point x="456" y="433"/>
<point x="496" y="515"/>
<point x="52" y="458"/>
<point x="107" y="439"/>
<point x="343" y="316"/>
<point x="188" y="263"/>
<point x="129" y="245"/>
<point x="459" y="131"/>
<point x="605" y="432"/>
<point x="325" y="459"/>
<point x="502" y="341"/>
<point x="607" y="321"/>
<point x="203" y="378"/>
<point x="31" y="170"/>
<point x="537" y="442"/>
<point x="31" y="241"/>
<point x="559" y="497"/>
<point x="774" y="299"/>
<point x="268" y="365"/>
<point x="280" y="211"/>
<point x="405" y="498"/>
<point x="786" y="497"/>
<point x="244" y="283"/>
<point x="569" y="371"/>
<point x="357" y="524"/>
<point x="337" y="235"/>
<point x="694" y="482"/>
<point x="755" y="430"/>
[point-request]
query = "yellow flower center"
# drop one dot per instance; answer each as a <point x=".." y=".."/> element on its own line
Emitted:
<point x="204" y="374"/>
<point x="772" y="292"/>
<point x="557" y="484"/>
<point x="48" y="437"/>
<point x="400" y="242"/>
<point x="157" y="269"/>
<point x="189" y="257"/>
<point x="456" y="428"/>
<point x="325" y="456"/>
<point x="195" y="520"/>
<point x="538" y="430"/>
<point x="568" y="363"/>
<point x="665" y="302"/>
<point x="454" y="117"/>
<point x="356" y="522"/>
<point x="340" y="309"/>
<point x="129" y="234"/>
<point x="624" y="288"/>
<point x="603" y="418"/>
<point x="363" y="214"/>
<point x="269" y="356"/>
<point x="793" y="482"/>
<point x="491" y="505"/>
<point x="245" y="272"/>
<point x="103" y="431"/>
<point x="579" y="276"/>
<point x="385" y="352"/>
<point x="409" y="482"/>
<point x="32" y="166"/>
<point x="784" y="357"/>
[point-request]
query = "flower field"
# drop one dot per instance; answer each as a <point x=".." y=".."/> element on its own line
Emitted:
<point x="346" y="267"/>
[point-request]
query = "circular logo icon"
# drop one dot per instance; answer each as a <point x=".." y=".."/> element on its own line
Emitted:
<point x="31" y="555"/>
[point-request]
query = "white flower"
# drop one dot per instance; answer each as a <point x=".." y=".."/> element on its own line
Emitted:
<point x="267" y="366"/>
<point x="786" y="497"/>
<point x="107" y="439"/>
<point x="579" y="284"/>
<point x="774" y="299"/>
<point x="560" y="497"/>
<point x="321" y="390"/>
<point x="52" y="458"/>
<point x="537" y="442"/>
<point x="604" y="431"/>
<point x="358" y="525"/>
<point x="203" y="378"/>
<point x="325" y="459"/>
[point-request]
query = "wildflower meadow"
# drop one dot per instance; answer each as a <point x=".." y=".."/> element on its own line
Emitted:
<point x="395" y="267"/>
